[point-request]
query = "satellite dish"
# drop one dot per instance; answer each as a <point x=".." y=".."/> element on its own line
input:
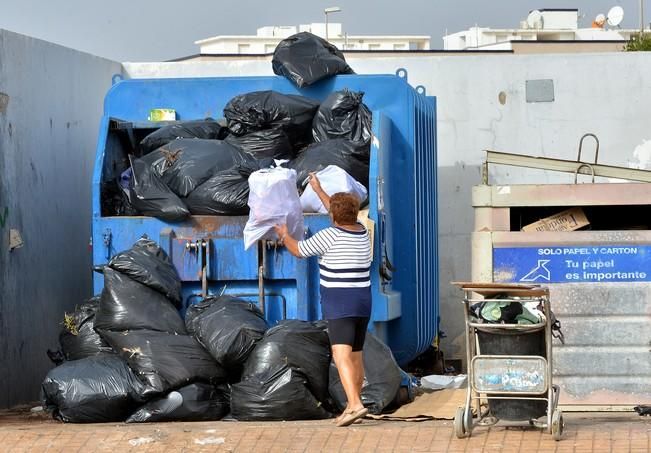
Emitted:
<point x="600" y="20"/>
<point x="534" y="19"/>
<point x="615" y="16"/>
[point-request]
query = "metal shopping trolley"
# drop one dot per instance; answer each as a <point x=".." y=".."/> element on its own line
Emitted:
<point x="509" y="365"/>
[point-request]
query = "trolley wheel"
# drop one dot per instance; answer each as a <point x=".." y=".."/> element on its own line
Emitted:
<point x="459" y="423"/>
<point x="557" y="424"/>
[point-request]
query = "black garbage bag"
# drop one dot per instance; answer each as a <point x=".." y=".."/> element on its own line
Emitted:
<point x="78" y="338"/>
<point x="126" y="304"/>
<point x="343" y="115"/>
<point x="346" y="154"/>
<point x="280" y="394"/>
<point x="301" y="345"/>
<point x="206" y="129"/>
<point x="225" y="193"/>
<point x="185" y="163"/>
<point x="259" y="110"/>
<point x="305" y="59"/>
<point x="164" y="361"/>
<point x="382" y="377"/>
<point x="148" y="264"/>
<point x="95" y="389"/>
<point x="227" y="327"/>
<point x="192" y="403"/>
<point x="150" y="196"/>
<point x="264" y="143"/>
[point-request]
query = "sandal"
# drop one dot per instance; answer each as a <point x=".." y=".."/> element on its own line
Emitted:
<point x="349" y="417"/>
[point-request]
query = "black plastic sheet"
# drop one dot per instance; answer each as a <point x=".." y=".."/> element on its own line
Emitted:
<point x="382" y="377"/>
<point x="206" y="129"/>
<point x="186" y="163"/>
<point x="346" y="154"/>
<point x="151" y="197"/>
<point x="126" y="304"/>
<point x="148" y="264"/>
<point x="164" y="361"/>
<point x="78" y="338"/>
<point x="259" y="110"/>
<point x="305" y="59"/>
<point x="343" y="115"/>
<point x="227" y="327"/>
<point x="192" y="403"/>
<point x="91" y="390"/>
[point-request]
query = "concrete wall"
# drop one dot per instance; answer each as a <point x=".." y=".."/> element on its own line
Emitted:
<point x="50" y="104"/>
<point x="607" y="94"/>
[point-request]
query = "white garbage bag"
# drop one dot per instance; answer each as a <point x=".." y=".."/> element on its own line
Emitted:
<point x="273" y="199"/>
<point x="333" y="180"/>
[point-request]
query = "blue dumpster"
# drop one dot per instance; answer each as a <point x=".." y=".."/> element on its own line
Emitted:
<point x="208" y="251"/>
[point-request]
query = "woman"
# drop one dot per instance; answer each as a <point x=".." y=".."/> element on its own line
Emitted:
<point x="344" y="252"/>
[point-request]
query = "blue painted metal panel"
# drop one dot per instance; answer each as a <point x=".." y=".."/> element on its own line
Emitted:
<point x="573" y="264"/>
<point x="402" y="203"/>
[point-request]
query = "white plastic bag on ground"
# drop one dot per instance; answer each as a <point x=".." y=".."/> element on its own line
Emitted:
<point x="333" y="180"/>
<point x="273" y="199"/>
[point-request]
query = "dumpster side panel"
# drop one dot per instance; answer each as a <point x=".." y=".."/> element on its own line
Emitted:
<point x="50" y="100"/>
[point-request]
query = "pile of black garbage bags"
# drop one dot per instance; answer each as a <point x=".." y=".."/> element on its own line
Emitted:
<point x="201" y="167"/>
<point x="127" y="355"/>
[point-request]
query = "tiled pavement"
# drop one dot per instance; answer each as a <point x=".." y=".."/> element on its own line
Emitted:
<point x="24" y="432"/>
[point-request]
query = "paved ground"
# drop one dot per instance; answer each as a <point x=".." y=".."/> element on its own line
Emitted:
<point x="24" y="432"/>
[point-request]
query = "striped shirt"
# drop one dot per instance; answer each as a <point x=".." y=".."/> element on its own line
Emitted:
<point x="345" y="270"/>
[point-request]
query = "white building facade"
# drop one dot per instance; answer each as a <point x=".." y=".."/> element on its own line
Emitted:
<point x="552" y="25"/>
<point x="267" y="38"/>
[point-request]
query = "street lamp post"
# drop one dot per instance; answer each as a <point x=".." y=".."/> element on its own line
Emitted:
<point x="332" y="9"/>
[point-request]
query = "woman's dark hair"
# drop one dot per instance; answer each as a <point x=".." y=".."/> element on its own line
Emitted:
<point x="344" y="208"/>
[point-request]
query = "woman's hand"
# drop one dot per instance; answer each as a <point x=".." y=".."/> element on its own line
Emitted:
<point x="281" y="231"/>
<point x="315" y="183"/>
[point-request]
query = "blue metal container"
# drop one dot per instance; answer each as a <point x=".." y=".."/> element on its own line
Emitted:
<point x="402" y="196"/>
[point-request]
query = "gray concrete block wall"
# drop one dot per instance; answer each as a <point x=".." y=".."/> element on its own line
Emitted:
<point x="51" y="101"/>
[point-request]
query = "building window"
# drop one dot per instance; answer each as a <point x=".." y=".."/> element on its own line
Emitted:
<point x="399" y="47"/>
<point x="373" y="47"/>
<point x="243" y="48"/>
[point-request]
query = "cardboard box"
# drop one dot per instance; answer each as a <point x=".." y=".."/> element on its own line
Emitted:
<point x="569" y="220"/>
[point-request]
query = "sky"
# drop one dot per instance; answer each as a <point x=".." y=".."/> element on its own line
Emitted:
<point x="157" y="30"/>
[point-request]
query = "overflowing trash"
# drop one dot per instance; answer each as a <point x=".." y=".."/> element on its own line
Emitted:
<point x="343" y="115"/>
<point x="126" y="304"/>
<point x="382" y="377"/>
<point x="350" y="156"/>
<point x="265" y="110"/>
<point x="192" y="403"/>
<point x="273" y="200"/>
<point x="148" y="264"/>
<point x="333" y="180"/>
<point x="266" y="143"/>
<point x="78" y="338"/>
<point x="225" y="193"/>
<point x="164" y="361"/>
<point x="206" y="129"/>
<point x="148" y="364"/>
<point x="91" y="390"/>
<point x="149" y="195"/>
<point x="185" y="163"/>
<point x="286" y="375"/>
<point x="130" y="356"/>
<point x="305" y="59"/>
<point x="227" y="327"/>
